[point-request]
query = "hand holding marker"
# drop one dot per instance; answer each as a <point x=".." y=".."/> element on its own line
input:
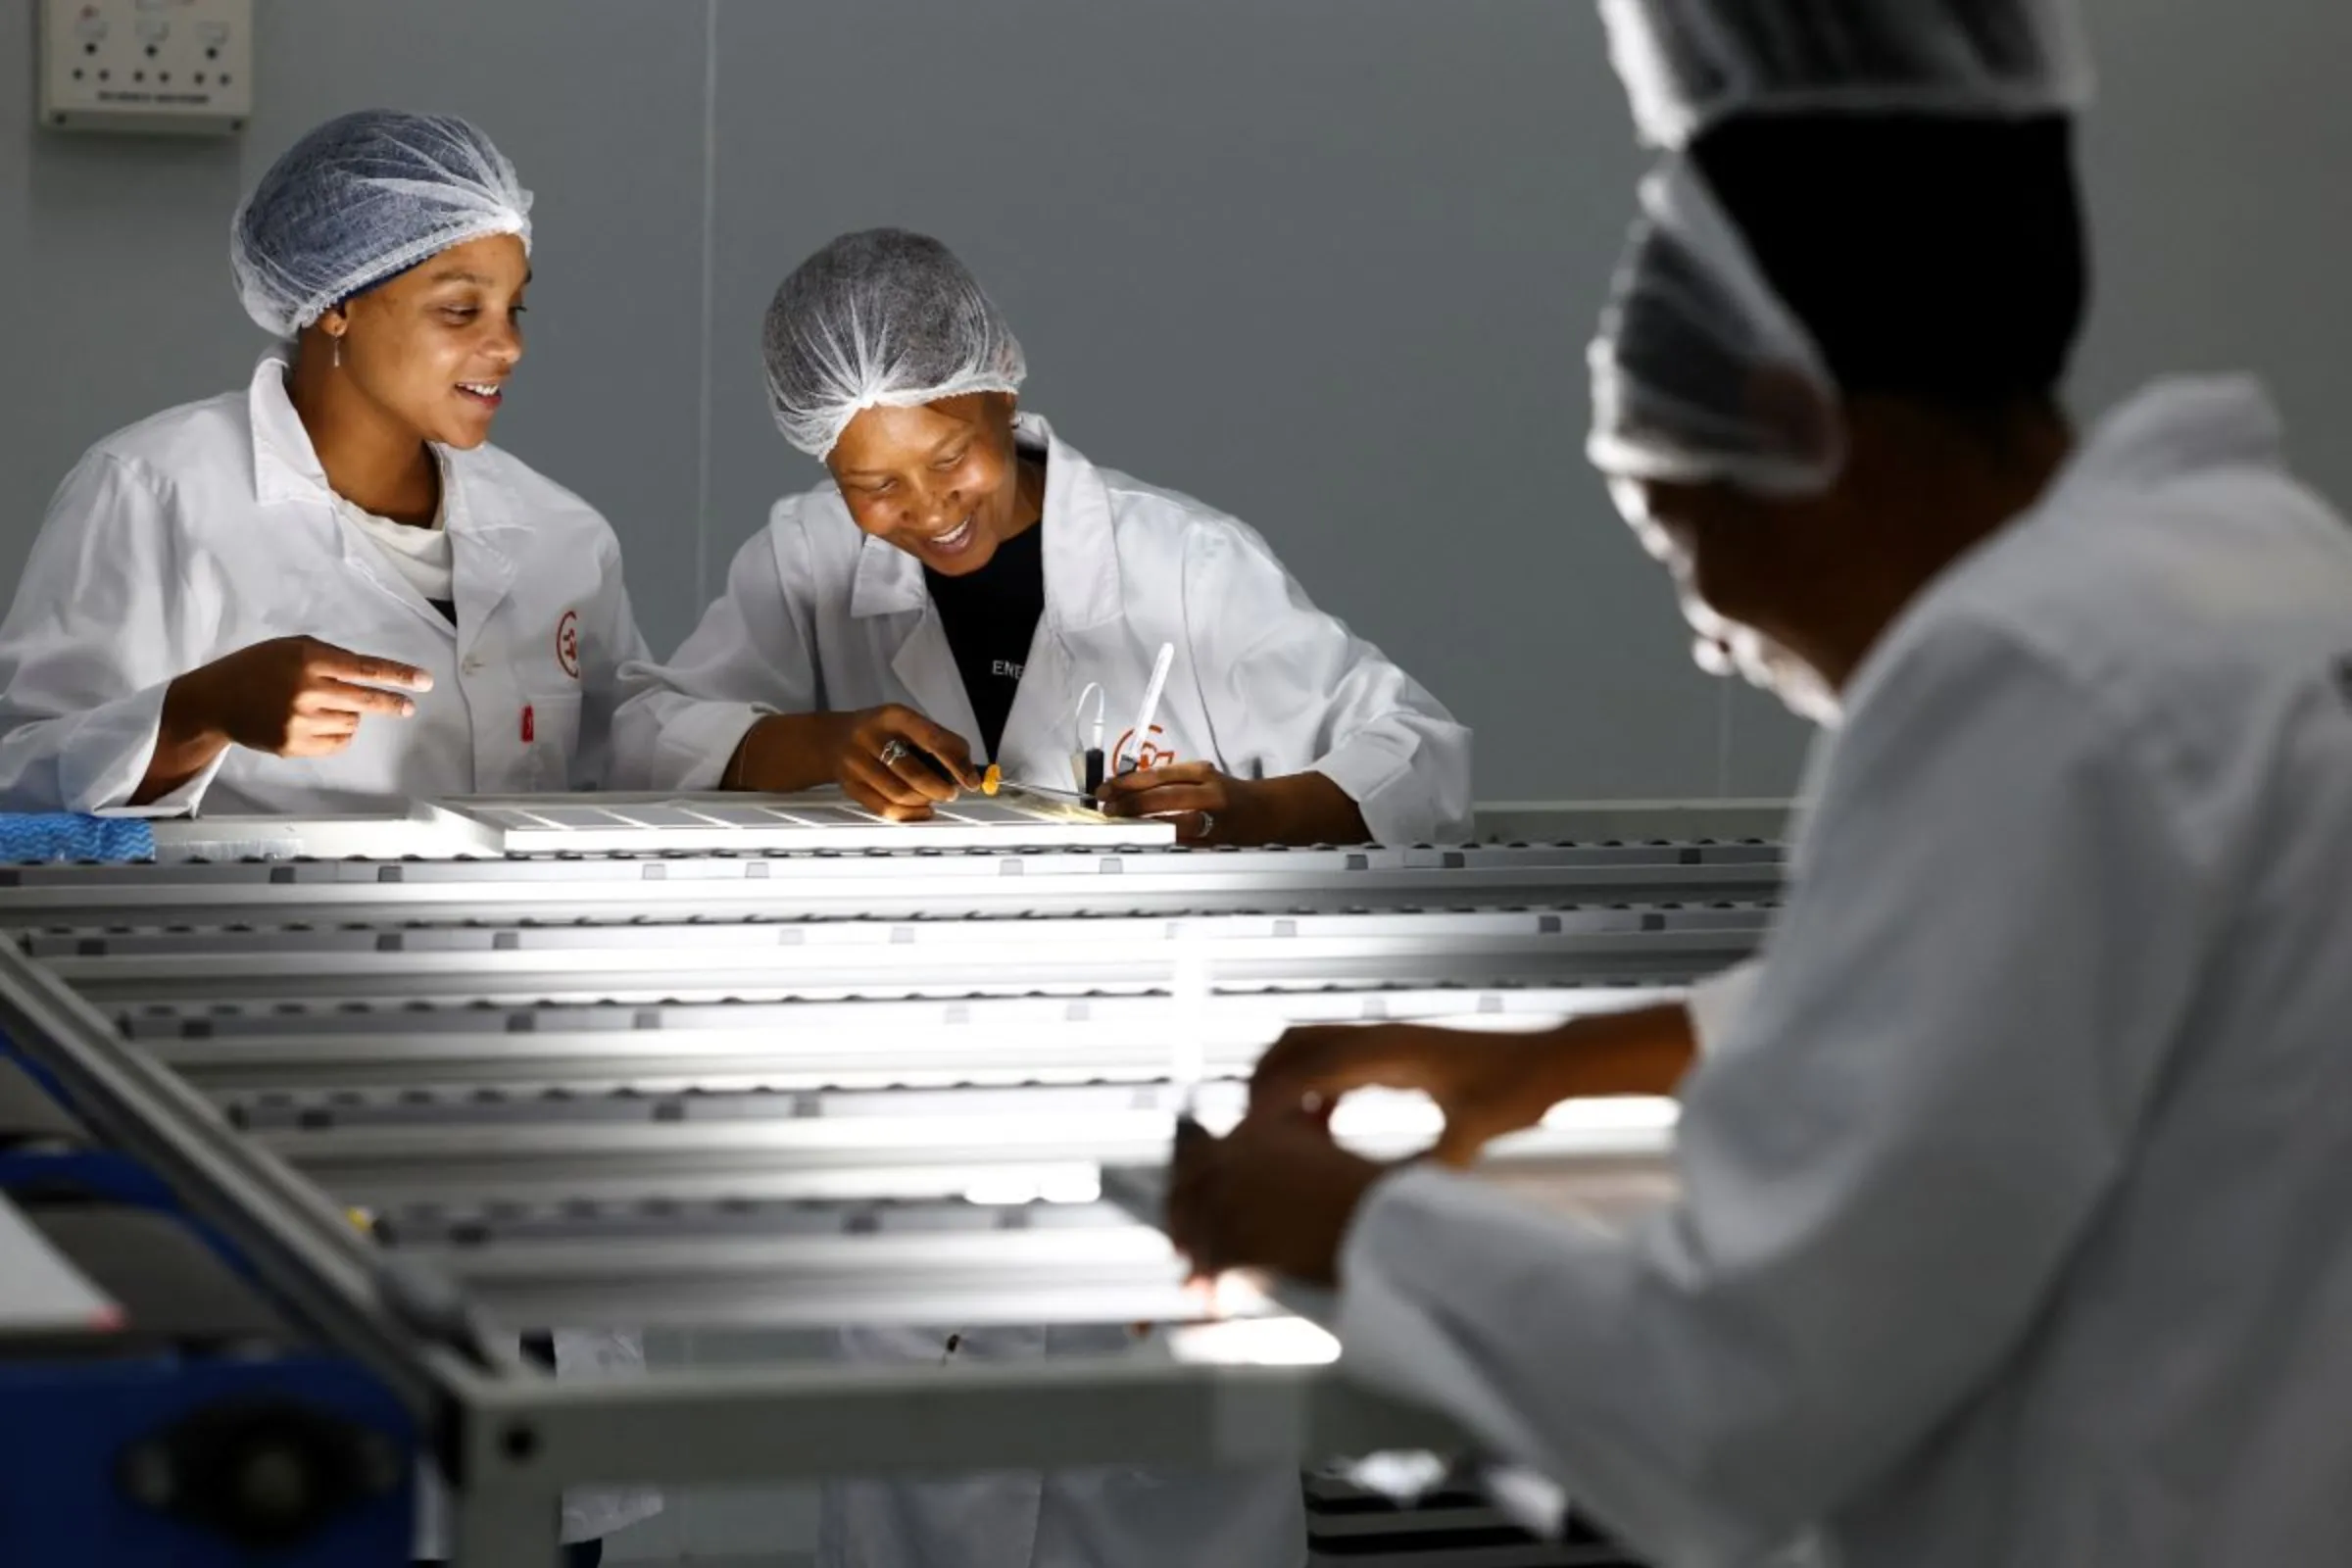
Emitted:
<point x="1150" y="707"/>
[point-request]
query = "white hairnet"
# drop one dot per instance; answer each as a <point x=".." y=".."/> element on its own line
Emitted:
<point x="880" y="318"/>
<point x="1701" y="374"/>
<point x="358" y="201"/>
<point x="1687" y="63"/>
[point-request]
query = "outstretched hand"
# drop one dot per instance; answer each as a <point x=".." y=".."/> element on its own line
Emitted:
<point x="1276" y="1192"/>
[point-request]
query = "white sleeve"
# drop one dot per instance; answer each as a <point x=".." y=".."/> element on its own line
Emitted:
<point x="115" y="603"/>
<point x="1716" y="1003"/>
<point x="612" y="643"/>
<point x="1939" y="1076"/>
<point x="751" y="656"/>
<point x="1291" y="690"/>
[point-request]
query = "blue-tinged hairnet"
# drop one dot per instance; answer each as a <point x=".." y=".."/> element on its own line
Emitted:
<point x="1701" y="374"/>
<point x="1686" y="64"/>
<point x="880" y="318"/>
<point x="360" y="200"/>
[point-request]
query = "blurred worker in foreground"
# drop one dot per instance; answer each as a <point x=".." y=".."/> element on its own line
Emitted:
<point x="327" y="592"/>
<point x="2015" y="1222"/>
<point x="967" y="587"/>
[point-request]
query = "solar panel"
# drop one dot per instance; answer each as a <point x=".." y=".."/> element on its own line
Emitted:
<point x="816" y="820"/>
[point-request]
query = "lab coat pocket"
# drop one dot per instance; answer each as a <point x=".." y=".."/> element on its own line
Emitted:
<point x="551" y="737"/>
<point x="1100" y="1486"/>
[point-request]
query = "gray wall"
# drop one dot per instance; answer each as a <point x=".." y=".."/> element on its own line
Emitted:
<point x="1328" y="264"/>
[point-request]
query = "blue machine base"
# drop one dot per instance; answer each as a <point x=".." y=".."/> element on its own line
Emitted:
<point x="78" y="1432"/>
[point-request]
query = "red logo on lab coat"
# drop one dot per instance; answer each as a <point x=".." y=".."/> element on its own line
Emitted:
<point x="1157" y="753"/>
<point x="567" y="643"/>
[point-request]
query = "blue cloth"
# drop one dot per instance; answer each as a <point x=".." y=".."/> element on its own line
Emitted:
<point x="28" y="837"/>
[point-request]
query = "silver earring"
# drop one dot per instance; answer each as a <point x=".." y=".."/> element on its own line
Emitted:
<point x="338" y="342"/>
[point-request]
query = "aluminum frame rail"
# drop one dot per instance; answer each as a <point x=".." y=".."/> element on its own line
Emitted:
<point x="254" y="963"/>
<point x="906" y="884"/>
<point x="819" y="1264"/>
<point x="797" y="1090"/>
<point x="321" y="1058"/>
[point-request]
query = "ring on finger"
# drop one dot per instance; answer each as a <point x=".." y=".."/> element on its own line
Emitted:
<point x="894" y="750"/>
<point x="1209" y="823"/>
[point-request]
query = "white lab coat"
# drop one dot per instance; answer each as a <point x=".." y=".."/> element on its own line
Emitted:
<point x="2016" y="1217"/>
<point x="1117" y="1516"/>
<point x="819" y="617"/>
<point x="1715" y="1002"/>
<point x="211" y="527"/>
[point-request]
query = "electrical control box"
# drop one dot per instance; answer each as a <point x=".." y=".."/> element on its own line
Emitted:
<point x="169" y="67"/>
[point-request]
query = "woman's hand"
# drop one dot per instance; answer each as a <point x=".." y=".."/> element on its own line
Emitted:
<point x="1206" y="806"/>
<point x="1483" y="1082"/>
<point x="1488" y="1083"/>
<point x="297" y="696"/>
<point x="1275" y="1193"/>
<point x="898" y="764"/>
<point x="891" y="760"/>
<point x="288" y="697"/>
<point x="1210" y="807"/>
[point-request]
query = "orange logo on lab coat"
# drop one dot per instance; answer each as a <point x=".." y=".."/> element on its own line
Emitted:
<point x="1156" y="752"/>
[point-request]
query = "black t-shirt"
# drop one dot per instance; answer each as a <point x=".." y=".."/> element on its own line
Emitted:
<point x="990" y="618"/>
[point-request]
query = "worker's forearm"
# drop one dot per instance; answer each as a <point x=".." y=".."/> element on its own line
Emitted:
<point x="1306" y="808"/>
<point x="787" y="752"/>
<point x="1643" y="1052"/>
<point x="186" y="740"/>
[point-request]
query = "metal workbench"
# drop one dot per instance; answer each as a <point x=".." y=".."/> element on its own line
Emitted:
<point x="784" y="1084"/>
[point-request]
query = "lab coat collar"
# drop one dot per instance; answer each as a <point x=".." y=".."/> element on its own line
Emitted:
<point x="1082" y="553"/>
<point x="286" y="468"/>
<point x="1081" y="548"/>
<point x="2176" y="426"/>
<point x="887" y="580"/>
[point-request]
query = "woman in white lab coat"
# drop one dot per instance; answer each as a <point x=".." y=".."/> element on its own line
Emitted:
<point x="967" y="587"/>
<point x="324" y="592"/>
<point x="949" y="596"/>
